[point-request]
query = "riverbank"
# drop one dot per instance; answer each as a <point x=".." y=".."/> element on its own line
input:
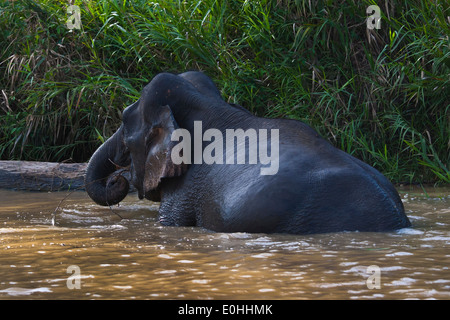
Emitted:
<point x="41" y="176"/>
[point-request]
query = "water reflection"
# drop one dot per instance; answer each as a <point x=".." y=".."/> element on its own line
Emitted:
<point x="137" y="258"/>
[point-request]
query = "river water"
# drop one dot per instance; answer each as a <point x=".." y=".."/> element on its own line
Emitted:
<point x="90" y="253"/>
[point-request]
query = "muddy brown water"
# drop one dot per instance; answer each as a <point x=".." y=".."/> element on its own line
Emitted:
<point x="91" y="253"/>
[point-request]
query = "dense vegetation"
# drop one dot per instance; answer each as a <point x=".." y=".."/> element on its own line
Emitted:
<point x="382" y="95"/>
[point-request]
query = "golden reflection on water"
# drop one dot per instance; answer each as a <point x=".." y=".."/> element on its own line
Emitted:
<point x="137" y="258"/>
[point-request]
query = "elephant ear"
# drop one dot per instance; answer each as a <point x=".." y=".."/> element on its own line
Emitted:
<point x="159" y="164"/>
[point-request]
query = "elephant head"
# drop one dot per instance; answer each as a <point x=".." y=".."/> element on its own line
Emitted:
<point x="143" y="145"/>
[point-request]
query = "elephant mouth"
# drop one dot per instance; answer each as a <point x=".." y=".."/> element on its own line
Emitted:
<point x="139" y="176"/>
<point x="142" y="191"/>
<point x="137" y="182"/>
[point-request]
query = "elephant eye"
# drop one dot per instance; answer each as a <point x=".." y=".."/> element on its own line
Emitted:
<point x="151" y="136"/>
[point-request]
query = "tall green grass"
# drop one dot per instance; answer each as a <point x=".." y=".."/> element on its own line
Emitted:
<point x="381" y="95"/>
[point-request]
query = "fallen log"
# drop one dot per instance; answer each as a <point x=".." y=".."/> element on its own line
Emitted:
<point x="42" y="176"/>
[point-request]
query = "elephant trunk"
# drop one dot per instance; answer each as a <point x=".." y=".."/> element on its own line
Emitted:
<point x="104" y="182"/>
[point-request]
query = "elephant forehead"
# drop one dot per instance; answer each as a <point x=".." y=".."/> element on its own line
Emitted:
<point x="133" y="122"/>
<point x="130" y="110"/>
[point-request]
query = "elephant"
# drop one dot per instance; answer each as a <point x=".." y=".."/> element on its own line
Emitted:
<point x="312" y="187"/>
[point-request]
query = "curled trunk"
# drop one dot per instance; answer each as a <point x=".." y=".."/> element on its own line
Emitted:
<point x="104" y="181"/>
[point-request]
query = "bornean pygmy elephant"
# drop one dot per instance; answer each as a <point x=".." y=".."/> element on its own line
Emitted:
<point x="215" y="165"/>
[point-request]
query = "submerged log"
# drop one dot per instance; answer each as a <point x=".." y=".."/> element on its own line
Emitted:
<point x="42" y="176"/>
